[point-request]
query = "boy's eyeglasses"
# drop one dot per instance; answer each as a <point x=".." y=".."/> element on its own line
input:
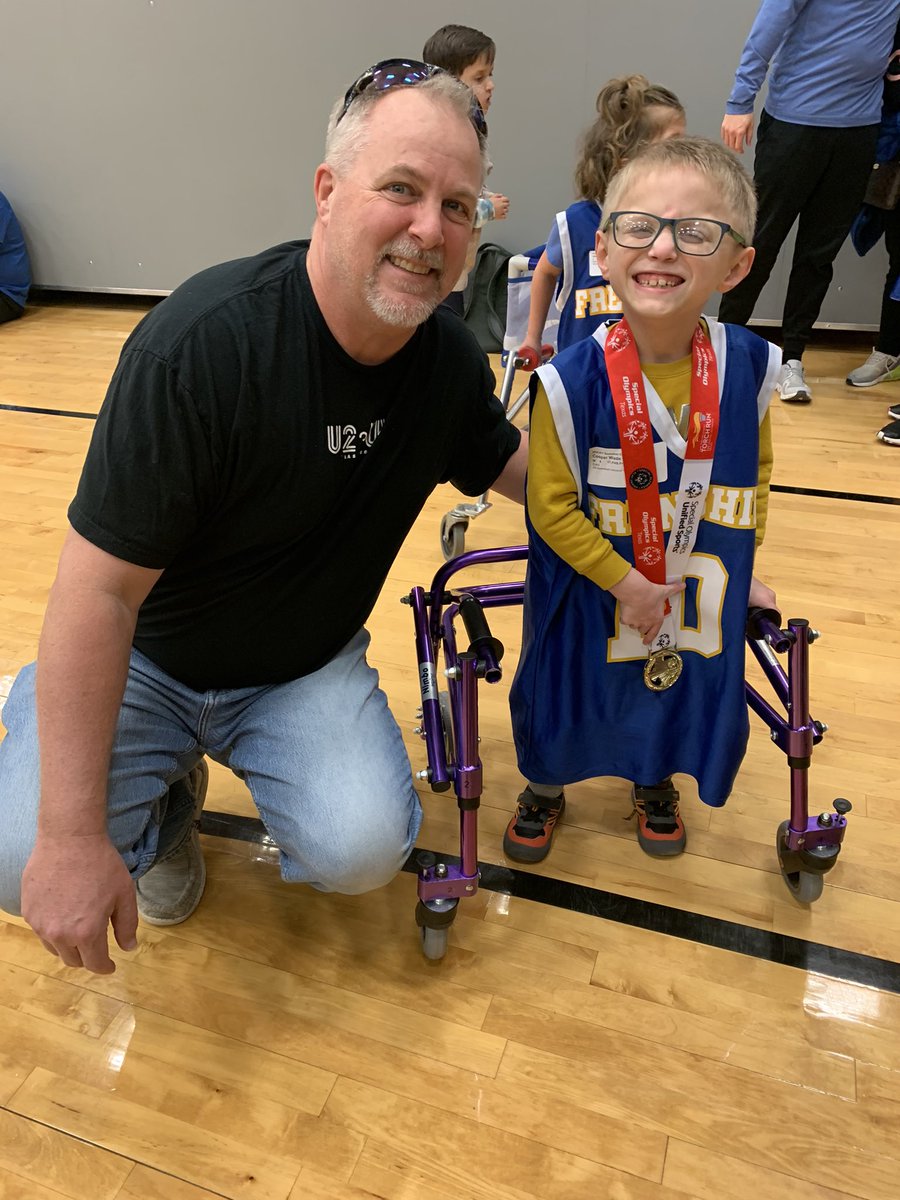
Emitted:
<point x="404" y="72"/>
<point x="692" y="235"/>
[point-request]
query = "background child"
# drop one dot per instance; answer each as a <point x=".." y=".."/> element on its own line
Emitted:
<point x="631" y="113"/>
<point x="633" y="651"/>
<point x="469" y="55"/>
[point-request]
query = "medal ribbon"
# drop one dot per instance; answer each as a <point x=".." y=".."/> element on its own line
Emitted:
<point x="639" y="459"/>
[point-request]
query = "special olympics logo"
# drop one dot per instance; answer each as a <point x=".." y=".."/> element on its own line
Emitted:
<point x="640" y="478"/>
<point x="694" y="489"/>
<point x="663" y="641"/>
<point x="620" y="338"/>
<point x="650" y="556"/>
<point x="635" y="432"/>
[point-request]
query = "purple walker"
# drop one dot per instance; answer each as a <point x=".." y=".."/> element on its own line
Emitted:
<point x="807" y="846"/>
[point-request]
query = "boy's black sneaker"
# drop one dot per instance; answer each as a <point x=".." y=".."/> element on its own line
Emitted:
<point x="894" y="412"/>
<point x="660" y="829"/>
<point x="890" y="435"/>
<point x="529" y="834"/>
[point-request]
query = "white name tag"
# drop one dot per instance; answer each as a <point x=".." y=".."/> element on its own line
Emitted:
<point x="605" y="467"/>
<point x="593" y="268"/>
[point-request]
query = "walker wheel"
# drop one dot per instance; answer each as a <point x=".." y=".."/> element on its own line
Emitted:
<point x="434" y="942"/>
<point x="805" y="886"/>
<point x="453" y="535"/>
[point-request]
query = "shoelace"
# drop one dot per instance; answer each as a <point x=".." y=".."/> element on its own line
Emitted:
<point x="532" y="818"/>
<point x="657" y="813"/>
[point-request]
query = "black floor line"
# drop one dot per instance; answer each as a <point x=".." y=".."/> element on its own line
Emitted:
<point x="764" y="944"/>
<point x="49" y="412"/>
<point x="825" y="494"/>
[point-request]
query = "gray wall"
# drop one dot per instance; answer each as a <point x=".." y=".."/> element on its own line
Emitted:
<point x="141" y="140"/>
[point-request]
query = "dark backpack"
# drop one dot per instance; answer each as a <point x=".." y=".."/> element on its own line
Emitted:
<point x="484" y="300"/>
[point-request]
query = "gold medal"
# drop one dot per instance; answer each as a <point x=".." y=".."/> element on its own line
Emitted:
<point x="662" y="669"/>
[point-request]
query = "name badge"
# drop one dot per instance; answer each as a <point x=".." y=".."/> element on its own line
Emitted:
<point x="606" y="469"/>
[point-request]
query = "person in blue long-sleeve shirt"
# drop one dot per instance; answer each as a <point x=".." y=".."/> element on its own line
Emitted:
<point x="15" y="272"/>
<point x="814" y="151"/>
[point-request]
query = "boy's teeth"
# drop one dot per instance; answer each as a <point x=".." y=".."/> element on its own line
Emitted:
<point x="657" y="282"/>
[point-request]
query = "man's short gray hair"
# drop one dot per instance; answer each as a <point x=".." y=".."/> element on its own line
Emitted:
<point x="347" y="135"/>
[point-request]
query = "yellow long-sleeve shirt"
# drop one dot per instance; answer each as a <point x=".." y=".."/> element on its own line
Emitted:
<point x="552" y="493"/>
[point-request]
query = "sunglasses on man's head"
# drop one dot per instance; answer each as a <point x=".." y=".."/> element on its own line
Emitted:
<point x="403" y="72"/>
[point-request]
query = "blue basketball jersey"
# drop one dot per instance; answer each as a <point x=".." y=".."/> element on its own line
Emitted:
<point x="579" y="703"/>
<point x="584" y="298"/>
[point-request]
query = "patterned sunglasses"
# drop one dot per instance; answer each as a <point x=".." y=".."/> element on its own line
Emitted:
<point x="404" y="72"/>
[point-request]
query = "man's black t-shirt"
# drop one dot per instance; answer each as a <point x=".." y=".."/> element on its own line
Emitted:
<point x="272" y="476"/>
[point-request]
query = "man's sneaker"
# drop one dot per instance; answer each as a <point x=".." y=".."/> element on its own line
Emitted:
<point x="890" y="435"/>
<point x="660" y="829"/>
<point x="173" y="887"/>
<point x="530" y="831"/>
<point x="878" y="368"/>
<point x="894" y="412"/>
<point x="791" y="384"/>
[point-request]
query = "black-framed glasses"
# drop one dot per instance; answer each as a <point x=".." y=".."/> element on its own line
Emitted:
<point x="692" y="235"/>
<point x="404" y="72"/>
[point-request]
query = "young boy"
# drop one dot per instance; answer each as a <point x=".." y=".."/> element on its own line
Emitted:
<point x="633" y="651"/>
<point x="468" y="54"/>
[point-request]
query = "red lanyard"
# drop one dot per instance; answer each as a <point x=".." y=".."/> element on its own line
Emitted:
<point x="636" y="436"/>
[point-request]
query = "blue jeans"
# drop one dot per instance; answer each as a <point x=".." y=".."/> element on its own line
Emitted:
<point x="322" y="756"/>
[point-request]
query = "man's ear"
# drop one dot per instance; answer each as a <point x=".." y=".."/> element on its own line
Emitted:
<point x="323" y="190"/>
<point x="739" y="269"/>
<point x="600" y="244"/>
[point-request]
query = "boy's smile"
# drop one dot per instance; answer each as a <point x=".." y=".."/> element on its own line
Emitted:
<point x="659" y="286"/>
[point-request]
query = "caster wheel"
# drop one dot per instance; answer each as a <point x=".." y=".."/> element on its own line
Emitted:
<point x="805" y="886"/>
<point x="453" y="536"/>
<point x="447" y="725"/>
<point x="434" y="942"/>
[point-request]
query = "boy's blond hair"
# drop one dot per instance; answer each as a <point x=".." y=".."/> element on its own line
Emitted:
<point x="703" y="155"/>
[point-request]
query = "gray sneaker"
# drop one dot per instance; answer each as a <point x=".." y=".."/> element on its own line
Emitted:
<point x="792" y="385"/>
<point x="173" y="887"/>
<point x="878" y="368"/>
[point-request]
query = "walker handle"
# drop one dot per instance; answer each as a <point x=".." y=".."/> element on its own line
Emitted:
<point x="481" y="640"/>
<point x="528" y="359"/>
<point x="764" y="625"/>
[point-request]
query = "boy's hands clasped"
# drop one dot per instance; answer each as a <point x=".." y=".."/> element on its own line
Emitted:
<point x="642" y="604"/>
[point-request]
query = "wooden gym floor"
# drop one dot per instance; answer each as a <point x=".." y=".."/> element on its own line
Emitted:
<point x="285" y="1044"/>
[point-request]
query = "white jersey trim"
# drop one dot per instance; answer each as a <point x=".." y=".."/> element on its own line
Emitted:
<point x="562" y="419"/>
<point x="773" y="370"/>
<point x="568" y="267"/>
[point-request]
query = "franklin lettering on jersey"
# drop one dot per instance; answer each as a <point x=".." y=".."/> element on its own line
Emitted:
<point x="581" y="672"/>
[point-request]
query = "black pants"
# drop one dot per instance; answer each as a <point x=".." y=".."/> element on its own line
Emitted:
<point x="819" y="176"/>
<point x="889" y="329"/>
<point x="9" y="310"/>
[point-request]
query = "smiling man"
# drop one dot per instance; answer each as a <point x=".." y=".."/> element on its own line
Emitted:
<point x="270" y="434"/>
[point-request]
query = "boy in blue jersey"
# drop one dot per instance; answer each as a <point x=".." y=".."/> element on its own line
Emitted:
<point x="649" y="467"/>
